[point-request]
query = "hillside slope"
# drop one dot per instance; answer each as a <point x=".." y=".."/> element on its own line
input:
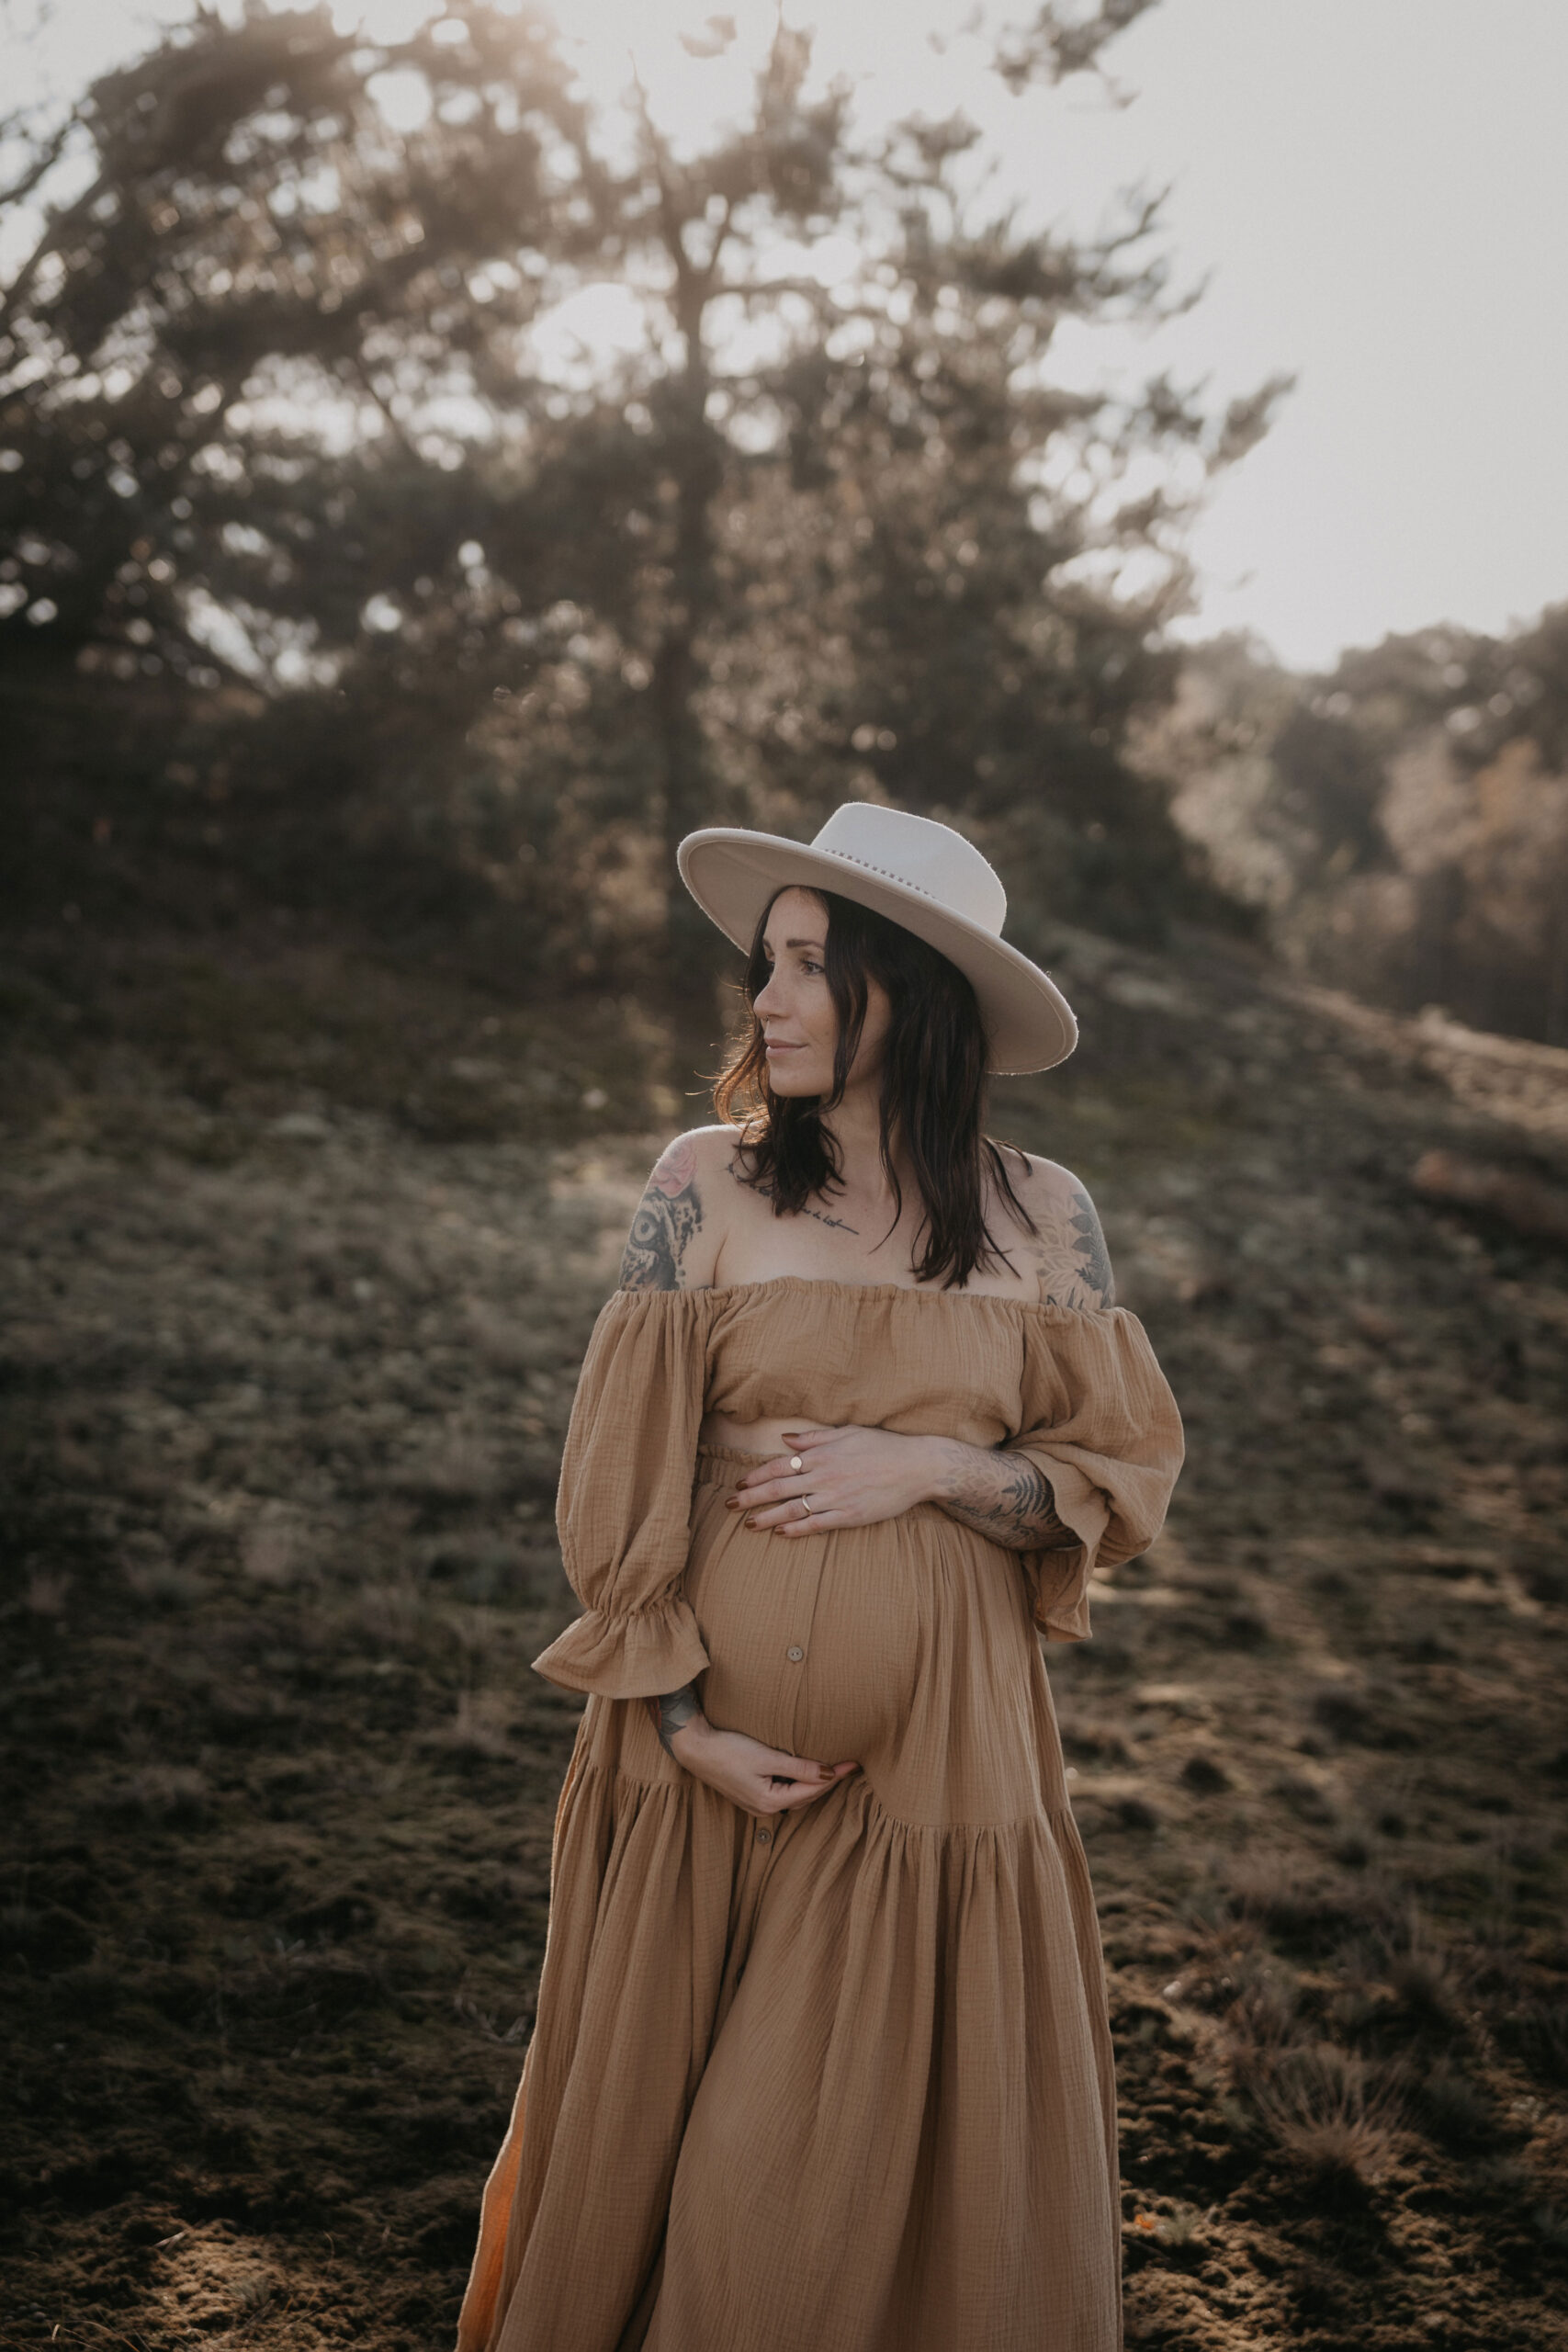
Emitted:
<point x="308" y="1252"/>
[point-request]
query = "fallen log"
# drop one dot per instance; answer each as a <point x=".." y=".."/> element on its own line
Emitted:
<point x="1525" y="1204"/>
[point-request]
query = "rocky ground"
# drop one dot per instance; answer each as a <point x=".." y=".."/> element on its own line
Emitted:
<point x="302" y="1255"/>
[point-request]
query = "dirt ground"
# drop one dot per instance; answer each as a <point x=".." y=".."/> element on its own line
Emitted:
<point x="301" y="1256"/>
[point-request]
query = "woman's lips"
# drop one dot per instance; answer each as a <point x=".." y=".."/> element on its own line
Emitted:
<point x="775" y="1046"/>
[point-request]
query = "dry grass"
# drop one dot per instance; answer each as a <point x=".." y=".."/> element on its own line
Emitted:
<point x="480" y="1725"/>
<point x="1324" y="2105"/>
<point x="48" y="1590"/>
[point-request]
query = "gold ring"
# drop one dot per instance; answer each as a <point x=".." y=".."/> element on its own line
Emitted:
<point x="796" y="1463"/>
<point x="804" y="1506"/>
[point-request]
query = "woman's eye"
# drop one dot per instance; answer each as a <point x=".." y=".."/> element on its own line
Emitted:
<point x="807" y="965"/>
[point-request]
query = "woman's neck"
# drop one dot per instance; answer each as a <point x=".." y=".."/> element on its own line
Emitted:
<point x="855" y="1128"/>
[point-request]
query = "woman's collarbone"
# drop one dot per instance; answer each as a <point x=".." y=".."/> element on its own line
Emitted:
<point x="801" y="1246"/>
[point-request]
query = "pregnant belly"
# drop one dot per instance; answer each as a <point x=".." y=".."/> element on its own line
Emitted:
<point x="865" y="1642"/>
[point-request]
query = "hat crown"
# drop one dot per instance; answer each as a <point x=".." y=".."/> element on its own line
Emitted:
<point x="921" y="856"/>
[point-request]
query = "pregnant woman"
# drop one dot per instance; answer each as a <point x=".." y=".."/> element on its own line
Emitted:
<point x="821" y="2061"/>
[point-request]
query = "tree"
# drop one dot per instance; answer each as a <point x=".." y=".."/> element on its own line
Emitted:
<point x="275" y="411"/>
<point x="1404" y="820"/>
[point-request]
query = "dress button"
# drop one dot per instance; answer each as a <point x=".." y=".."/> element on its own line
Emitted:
<point x="795" y="1654"/>
<point x="764" y="1837"/>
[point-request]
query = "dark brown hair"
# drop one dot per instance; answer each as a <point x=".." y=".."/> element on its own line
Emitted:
<point x="934" y="1090"/>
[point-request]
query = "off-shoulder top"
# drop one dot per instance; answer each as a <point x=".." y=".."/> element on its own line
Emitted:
<point x="1077" y="1391"/>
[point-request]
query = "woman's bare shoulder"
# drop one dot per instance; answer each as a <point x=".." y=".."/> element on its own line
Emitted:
<point x="1067" y="1250"/>
<point x="679" y="1225"/>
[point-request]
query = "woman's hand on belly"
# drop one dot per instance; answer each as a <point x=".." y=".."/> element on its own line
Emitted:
<point x="755" y="1778"/>
<point x="851" y="1476"/>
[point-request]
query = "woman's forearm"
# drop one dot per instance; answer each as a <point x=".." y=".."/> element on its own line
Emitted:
<point x="1002" y="1494"/>
<point x="673" y="1711"/>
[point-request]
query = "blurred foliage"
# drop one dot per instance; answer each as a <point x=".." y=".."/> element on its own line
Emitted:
<point x="1404" y="821"/>
<point x="325" y="582"/>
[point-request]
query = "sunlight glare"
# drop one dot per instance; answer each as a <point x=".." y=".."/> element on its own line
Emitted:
<point x="384" y="20"/>
<point x="697" y="81"/>
<point x="570" y="342"/>
<point x="402" y="98"/>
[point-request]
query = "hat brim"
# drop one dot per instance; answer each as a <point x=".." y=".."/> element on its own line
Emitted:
<point x="732" y="875"/>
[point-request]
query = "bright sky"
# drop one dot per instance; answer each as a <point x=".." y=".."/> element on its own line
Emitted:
<point x="1376" y="190"/>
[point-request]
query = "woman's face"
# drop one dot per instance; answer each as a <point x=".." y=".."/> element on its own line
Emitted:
<point x="796" y="1012"/>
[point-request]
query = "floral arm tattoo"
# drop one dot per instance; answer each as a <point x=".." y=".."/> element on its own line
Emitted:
<point x="1003" y="1495"/>
<point x="673" y="1710"/>
<point x="668" y="1214"/>
<point x="1093" y="1255"/>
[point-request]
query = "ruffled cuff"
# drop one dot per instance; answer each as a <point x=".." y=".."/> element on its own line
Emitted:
<point x="1058" y="1580"/>
<point x="638" y="1654"/>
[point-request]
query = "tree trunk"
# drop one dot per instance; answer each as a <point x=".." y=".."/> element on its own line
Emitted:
<point x="687" y="786"/>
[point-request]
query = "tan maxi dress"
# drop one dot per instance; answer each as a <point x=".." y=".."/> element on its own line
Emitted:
<point x="839" y="2081"/>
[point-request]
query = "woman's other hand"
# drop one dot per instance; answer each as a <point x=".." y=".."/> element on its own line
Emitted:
<point x="755" y="1778"/>
<point x="851" y="1478"/>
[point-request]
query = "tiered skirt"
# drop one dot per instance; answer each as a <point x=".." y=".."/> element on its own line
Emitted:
<point x="839" y="2080"/>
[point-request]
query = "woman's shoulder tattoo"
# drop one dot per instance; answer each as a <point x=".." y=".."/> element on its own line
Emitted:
<point x="1070" y="1257"/>
<point x="668" y="1214"/>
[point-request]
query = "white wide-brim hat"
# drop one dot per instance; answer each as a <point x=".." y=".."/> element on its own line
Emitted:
<point x="915" y="872"/>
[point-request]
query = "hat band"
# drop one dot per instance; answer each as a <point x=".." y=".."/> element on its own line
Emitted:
<point x="887" y="874"/>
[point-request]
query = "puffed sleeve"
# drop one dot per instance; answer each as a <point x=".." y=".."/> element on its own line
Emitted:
<point x="1100" y="1420"/>
<point x="623" y="1506"/>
